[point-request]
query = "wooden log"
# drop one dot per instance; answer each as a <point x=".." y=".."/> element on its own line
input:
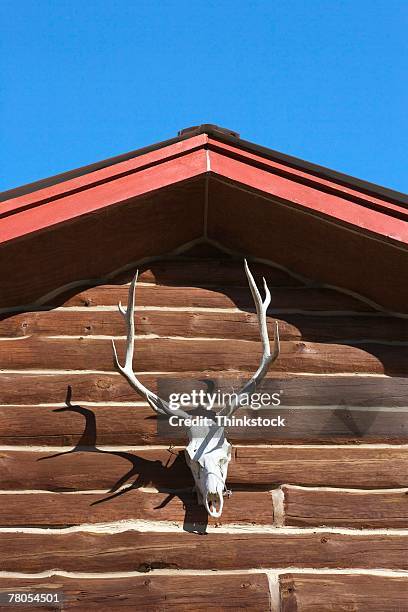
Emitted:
<point x="163" y="354"/>
<point x="83" y="425"/>
<point x="233" y="325"/>
<point x="307" y="507"/>
<point x="297" y="298"/>
<point x="361" y="593"/>
<point x="336" y="467"/>
<point x="324" y="425"/>
<point x="251" y="467"/>
<point x="67" y="509"/>
<point x="135" y="551"/>
<point x="185" y="593"/>
<point x="115" y="425"/>
<point x="25" y="388"/>
<point x="88" y="468"/>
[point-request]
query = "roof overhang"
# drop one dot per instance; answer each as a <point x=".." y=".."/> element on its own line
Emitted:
<point x="209" y="183"/>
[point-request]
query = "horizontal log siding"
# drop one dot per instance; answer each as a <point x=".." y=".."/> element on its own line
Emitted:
<point x="23" y="387"/>
<point x="113" y="424"/>
<point x="130" y="551"/>
<point x="251" y="467"/>
<point x="118" y="500"/>
<point x="208" y="324"/>
<point x="225" y="592"/>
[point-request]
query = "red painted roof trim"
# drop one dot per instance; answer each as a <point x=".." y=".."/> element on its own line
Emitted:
<point x="312" y="198"/>
<point x="310" y="179"/>
<point x="191" y="157"/>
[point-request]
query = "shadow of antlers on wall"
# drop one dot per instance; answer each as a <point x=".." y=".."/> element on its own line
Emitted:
<point x="142" y="473"/>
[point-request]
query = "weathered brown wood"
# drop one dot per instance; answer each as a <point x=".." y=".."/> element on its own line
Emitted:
<point x="52" y="426"/>
<point x="162" y="354"/>
<point x="96" y="244"/>
<point x="247" y="223"/>
<point x="297" y="298"/>
<point x="307" y="507"/>
<point x="89" y="468"/>
<point x="234" y="325"/>
<point x="185" y="593"/>
<point x="215" y="271"/>
<point x="325" y="425"/>
<point x="67" y="509"/>
<point x="137" y="425"/>
<point x="338" y="467"/>
<point x="251" y="467"/>
<point x="25" y="388"/>
<point x="324" y="593"/>
<point x="136" y="551"/>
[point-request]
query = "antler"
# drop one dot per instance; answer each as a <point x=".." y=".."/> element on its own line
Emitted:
<point x="158" y="404"/>
<point x="267" y="358"/>
<point x="208" y="462"/>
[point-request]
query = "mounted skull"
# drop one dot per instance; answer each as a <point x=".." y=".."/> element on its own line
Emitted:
<point x="208" y="452"/>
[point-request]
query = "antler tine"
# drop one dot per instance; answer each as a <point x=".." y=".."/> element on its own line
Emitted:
<point x="158" y="404"/>
<point x="267" y="358"/>
<point x="129" y="315"/>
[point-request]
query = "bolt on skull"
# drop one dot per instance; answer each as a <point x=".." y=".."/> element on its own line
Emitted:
<point x="208" y="452"/>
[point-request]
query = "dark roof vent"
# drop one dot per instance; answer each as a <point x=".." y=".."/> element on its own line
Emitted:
<point x="208" y="128"/>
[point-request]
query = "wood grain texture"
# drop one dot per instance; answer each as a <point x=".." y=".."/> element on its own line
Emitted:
<point x="326" y="593"/>
<point x="221" y="297"/>
<point x="384" y="509"/>
<point x="233" y="325"/>
<point x="250" y="467"/>
<point x="323" y="251"/>
<point x="137" y="425"/>
<point x="338" y="467"/>
<point x="25" y="388"/>
<point x="312" y="343"/>
<point x="152" y="593"/>
<point x="136" y="551"/>
<point x="65" y="254"/>
<point x="163" y="354"/>
<point x="65" y="509"/>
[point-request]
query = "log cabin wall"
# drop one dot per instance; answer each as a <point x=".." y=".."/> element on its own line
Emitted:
<point x="317" y="520"/>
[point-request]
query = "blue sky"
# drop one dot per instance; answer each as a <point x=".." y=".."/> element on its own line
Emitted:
<point x="325" y="81"/>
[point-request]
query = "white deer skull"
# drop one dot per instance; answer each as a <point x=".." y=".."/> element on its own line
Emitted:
<point x="208" y="452"/>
